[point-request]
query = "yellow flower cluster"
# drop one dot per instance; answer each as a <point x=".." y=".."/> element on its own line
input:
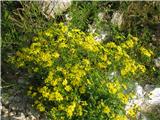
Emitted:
<point x="130" y="43"/>
<point x="121" y="117"/>
<point x="124" y="98"/>
<point x="70" y="109"/>
<point x="71" y="68"/>
<point x="106" y="109"/>
<point x="132" y="112"/>
<point x="113" y="87"/>
<point x="146" y="52"/>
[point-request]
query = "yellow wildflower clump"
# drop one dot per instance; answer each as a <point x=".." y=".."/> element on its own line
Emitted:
<point x="106" y="109"/>
<point x="70" y="109"/>
<point x="146" y="52"/>
<point x="69" y="73"/>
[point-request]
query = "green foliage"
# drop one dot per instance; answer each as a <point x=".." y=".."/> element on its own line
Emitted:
<point x="140" y="14"/>
<point x="83" y="13"/>
<point x="20" y="22"/>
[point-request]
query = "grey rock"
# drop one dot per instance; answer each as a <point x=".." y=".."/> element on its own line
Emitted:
<point x="4" y="108"/>
<point x="54" y="7"/>
<point x="117" y="18"/>
<point x="20" y="117"/>
<point x="31" y="117"/>
<point x="101" y="16"/>
<point x="157" y="62"/>
<point x="12" y="113"/>
<point x="148" y="88"/>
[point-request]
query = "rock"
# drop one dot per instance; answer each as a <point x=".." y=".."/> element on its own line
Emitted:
<point x="154" y="96"/>
<point x="12" y="113"/>
<point x="157" y="62"/>
<point x="68" y="17"/>
<point x="101" y="37"/>
<point x="139" y="91"/>
<point x="31" y="118"/>
<point x="20" y="117"/>
<point x="4" y="110"/>
<point x="147" y="98"/>
<point x="101" y="16"/>
<point x="148" y="88"/>
<point x="117" y="19"/>
<point x="54" y="7"/>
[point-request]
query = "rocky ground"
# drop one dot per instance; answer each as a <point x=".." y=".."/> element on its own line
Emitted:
<point x="16" y="105"/>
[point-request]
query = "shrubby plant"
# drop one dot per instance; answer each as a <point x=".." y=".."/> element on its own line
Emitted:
<point x="71" y="74"/>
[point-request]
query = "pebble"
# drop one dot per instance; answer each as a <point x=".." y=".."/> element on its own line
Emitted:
<point x="157" y="62"/>
<point x="12" y="113"/>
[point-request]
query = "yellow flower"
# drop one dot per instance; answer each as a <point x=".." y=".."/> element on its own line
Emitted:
<point x="72" y="50"/>
<point x="104" y="57"/>
<point x="146" y="52"/>
<point x="111" y="45"/>
<point x="49" y="77"/>
<point x="124" y="86"/>
<point x="64" y="82"/>
<point x="84" y="103"/>
<point x="142" y="68"/>
<point x="102" y="65"/>
<point x="45" y="56"/>
<point x="135" y="39"/>
<point x="80" y="112"/>
<point x="56" y="96"/>
<point x="106" y="109"/>
<point x="89" y="82"/>
<point x="86" y="61"/>
<point x="109" y="62"/>
<point x="64" y="28"/>
<point x="70" y="109"/>
<point x="40" y="107"/>
<point x="61" y="107"/>
<point x="63" y="45"/>
<point x="131" y="112"/>
<point x="121" y="117"/>
<point x="82" y="89"/>
<point x="111" y="87"/>
<point x="33" y="94"/>
<point x="54" y="82"/>
<point x="49" y="34"/>
<point x="68" y="88"/>
<point x="130" y="43"/>
<point x="123" y="98"/>
<point x="56" y="55"/>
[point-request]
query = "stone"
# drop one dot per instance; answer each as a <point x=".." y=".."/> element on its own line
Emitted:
<point x="21" y="117"/>
<point x="68" y="17"/>
<point x="117" y="18"/>
<point x="4" y="111"/>
<point x="54" y="7"/>
<point x="147" y="98"/>
<point x="101" y="16"/>
<point x="154" y="97"/>
<point x="148" y="88"/>
<point x="101" y="37"/>
<point x="157" y="62"/>
<point x="12" y="113"/>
